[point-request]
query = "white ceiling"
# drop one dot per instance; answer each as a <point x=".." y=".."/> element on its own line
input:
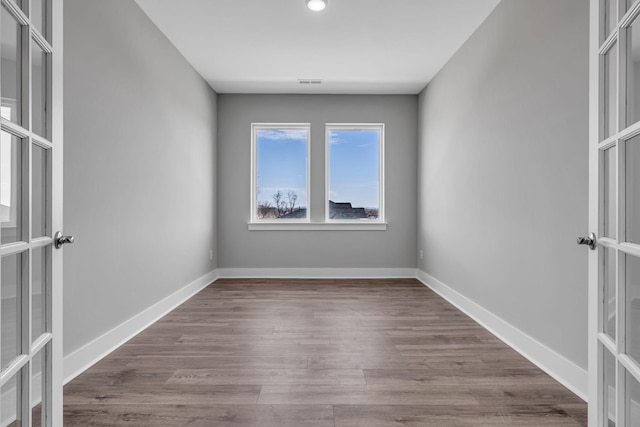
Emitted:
<point x="354" y="46"/>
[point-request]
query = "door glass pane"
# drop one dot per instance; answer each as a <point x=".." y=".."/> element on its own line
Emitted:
<point x="38" y="292"/>
<point x="610" y="16"/>
<point x="627" y="4"/>
<point x="609" y="389"/>
<point x="39" y="192"/>
<point x="633" y="402"/>
<point x="610" y="91"/>
<point x="11" y="71"/>
<point x="609" y="189"/>
<point x="633" y="190"/>
<point x="10" y="188"/>
<point x="11" y="311"/>
<point x="37" y="381"/>
<point x="609" y="288"/>
<point x="633" y="306"/>
<point x="633" y="73"/>
<point x="11" y="413"/>
<point x="38" y="15"/>
<point x="39" y="89"/>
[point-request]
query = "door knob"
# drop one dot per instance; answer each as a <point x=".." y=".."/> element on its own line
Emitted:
<point x="589" y="241"/>
<point x="59" y="240"/>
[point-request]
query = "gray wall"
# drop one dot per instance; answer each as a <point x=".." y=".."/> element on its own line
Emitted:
<point x="240" y="248"/>
<point x="139" y="177"/>
<point x="503" y="170"/>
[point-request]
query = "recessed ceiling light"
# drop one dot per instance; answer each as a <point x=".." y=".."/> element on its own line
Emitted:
<point x="317" y="5"/>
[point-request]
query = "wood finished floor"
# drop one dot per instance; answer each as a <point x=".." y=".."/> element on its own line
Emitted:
<point x="334" y="353"/>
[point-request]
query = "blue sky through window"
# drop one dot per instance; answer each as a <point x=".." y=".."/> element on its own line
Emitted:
<point x="281" y="156"/>
<point x="353" y="167"/>
<point x="281" y="164"/>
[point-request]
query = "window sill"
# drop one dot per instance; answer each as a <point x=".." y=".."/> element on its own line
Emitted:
<point x="317" y="226"/>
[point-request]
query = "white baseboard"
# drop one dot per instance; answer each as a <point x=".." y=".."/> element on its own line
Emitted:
<point x="84" y="357"/>
<point x="557" y="366"/>
<point x="316" y="273"/>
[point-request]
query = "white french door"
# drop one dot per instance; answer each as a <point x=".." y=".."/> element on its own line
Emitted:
<point x="30" y="212"/>
<point x="614" y="214"/>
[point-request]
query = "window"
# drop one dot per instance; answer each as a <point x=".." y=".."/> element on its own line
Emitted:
<point x="280" y="177"/>
<point x="280" y="172"/>
<point x="355" y="178"/>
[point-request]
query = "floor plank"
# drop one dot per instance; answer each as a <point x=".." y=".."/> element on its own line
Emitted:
<point x="268" y="376"/>
<point x="327" y="353"/>
<point x="451" y="416"/>
<point x="367" y="394"/>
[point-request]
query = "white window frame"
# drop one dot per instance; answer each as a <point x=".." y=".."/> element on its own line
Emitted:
<point x="254" y="173"/>
<point x="381" y="185"/>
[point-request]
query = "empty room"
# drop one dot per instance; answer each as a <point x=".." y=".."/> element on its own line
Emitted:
<point x="329" y="213"/>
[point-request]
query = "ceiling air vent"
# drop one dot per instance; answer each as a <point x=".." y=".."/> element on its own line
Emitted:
<point x="310" y="81"/>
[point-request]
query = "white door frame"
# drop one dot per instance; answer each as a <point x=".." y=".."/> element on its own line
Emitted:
<point x="600" y="344"/>
<point x="594" y="126"/>
<point x="57" y="121"/>
<point x="39" y="45"/>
